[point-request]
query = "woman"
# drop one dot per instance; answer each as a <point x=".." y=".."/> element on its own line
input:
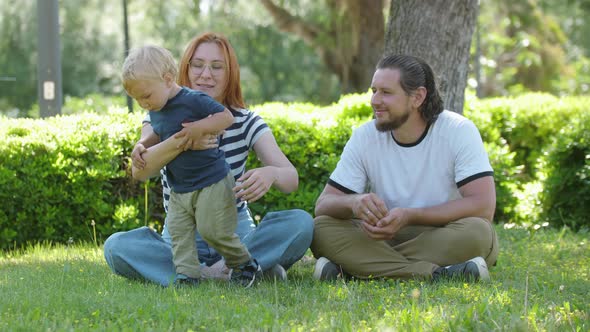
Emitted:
<point x="209" y="64"/>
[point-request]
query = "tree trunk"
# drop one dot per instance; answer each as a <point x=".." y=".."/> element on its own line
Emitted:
<point x="368" y="28"/>
<point x="439" y="32"/>
<point x="349" y="46"/>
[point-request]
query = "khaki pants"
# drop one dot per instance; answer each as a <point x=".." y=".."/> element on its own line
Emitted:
<point x="212" y="212"/>
<point x="416" y="251"/>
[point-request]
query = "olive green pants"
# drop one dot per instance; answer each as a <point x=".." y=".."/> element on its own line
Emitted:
<point x="416" y="251"/>
<point x="212" y="212"/>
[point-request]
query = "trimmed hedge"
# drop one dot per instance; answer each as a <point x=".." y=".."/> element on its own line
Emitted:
<point x="60" y="174"/>
<point x="565" y="199"/>
<point x="542" y="174"/>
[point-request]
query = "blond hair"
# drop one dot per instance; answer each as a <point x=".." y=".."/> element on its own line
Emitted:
<point x="148" y="63"/>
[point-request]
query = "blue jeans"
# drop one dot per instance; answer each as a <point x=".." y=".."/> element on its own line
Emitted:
<point x="281" y="237"/>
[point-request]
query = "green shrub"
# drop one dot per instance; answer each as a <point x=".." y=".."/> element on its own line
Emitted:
<point x="506" y="170"/>
<point x="566" y="180"/>
<point x="531" y="127"/>
<point x="73" y="169"/>
<point x="60" y="174"/>
<point x="527" y="124"/>
<point x="93" y="103"/>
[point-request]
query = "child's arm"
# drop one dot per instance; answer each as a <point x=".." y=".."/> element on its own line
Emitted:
<point x="212" y="124"/>
<point x="148" y="139"/>
<point x="148" y="136"/>
<point x="156" y="157"/>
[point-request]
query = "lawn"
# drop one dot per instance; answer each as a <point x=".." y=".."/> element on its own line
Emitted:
<point x="541" y="283"/>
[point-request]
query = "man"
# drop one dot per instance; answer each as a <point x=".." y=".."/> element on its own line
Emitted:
<point x="413" y="194"/>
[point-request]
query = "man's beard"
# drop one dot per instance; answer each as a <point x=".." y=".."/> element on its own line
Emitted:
<point x="393" y="124"/>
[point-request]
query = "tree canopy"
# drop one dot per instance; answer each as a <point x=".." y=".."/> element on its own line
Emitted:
<point x="293" y="50"/>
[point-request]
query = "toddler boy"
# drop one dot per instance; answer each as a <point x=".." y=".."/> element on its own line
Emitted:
<point x="202" y="198"/>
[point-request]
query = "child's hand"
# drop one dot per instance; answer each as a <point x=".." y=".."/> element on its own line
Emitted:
<point x="185" y="141"/>
<point x="195" y="139"/>
<point x="207" y="141"/>
<point x="136" y="157"/>
<point x="190" y="133"/>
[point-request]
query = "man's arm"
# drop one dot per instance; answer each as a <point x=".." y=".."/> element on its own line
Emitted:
<point x="478" y="200"/>
<point x="335" y="203"/>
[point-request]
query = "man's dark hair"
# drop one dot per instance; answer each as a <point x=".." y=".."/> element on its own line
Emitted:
<point x="414" y="73"/>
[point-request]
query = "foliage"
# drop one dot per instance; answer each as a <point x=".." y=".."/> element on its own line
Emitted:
<point x="93" y="103"/>
<point x="525" y="123"/>
<point x="571" y="14"/>
<point x="16" y="58"/>
<point x="96" y="53"/>
<point x="61" y="173"/>
<point x="526" y="45"/>
<point x="274" y="65"/>
<point x="70" y="288"/>
<point x="532" y="174"/>
<point x="278" y="67"/>
<point x="347" y="36"/>
<point x="566" y="179"/>
<point x="524" y="48"/>
<point x="90" y="52"/>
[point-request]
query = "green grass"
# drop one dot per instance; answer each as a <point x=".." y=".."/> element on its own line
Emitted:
<point x="541" y="283"/>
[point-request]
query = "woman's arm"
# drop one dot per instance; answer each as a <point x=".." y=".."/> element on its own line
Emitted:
<point x="148" y="162"/>
<point x="277" y="171"/>
<point x="156" y="157"/>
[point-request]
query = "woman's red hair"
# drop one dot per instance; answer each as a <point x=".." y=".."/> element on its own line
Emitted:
<point x="232" y="93"/>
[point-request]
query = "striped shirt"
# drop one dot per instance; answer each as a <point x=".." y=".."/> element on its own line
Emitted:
<point x="236" y="142"/>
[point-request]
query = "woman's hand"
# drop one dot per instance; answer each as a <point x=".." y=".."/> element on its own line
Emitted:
<point x="286" y="179"/>
<point x="255" y="183"/>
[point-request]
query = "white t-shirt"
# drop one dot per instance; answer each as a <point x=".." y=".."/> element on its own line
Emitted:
<point x="426" y="173"/>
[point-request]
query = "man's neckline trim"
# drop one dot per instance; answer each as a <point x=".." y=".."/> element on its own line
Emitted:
<point x="409" y="145"/>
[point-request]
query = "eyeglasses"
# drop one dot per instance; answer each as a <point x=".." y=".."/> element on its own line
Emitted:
<point x="198" y="67"/>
